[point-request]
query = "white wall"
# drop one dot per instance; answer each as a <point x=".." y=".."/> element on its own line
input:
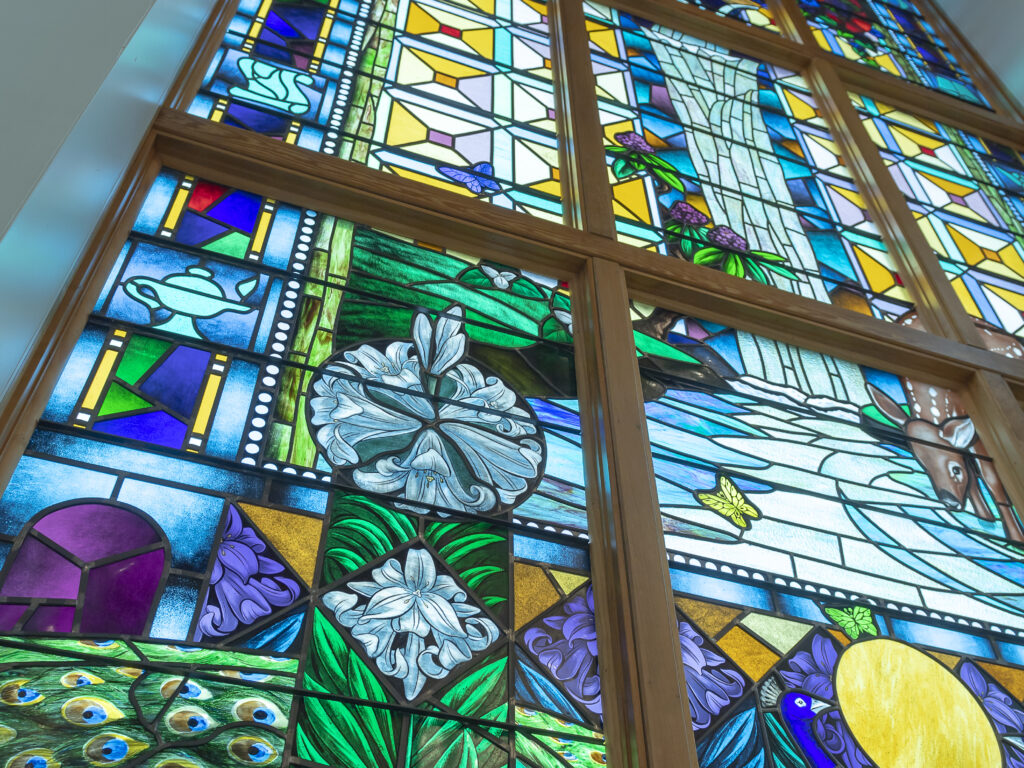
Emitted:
<point x="994" y="29"/>
<point x="81" y="83"/>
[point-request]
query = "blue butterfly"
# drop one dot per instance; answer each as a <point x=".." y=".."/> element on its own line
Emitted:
<point x="476" y="179"/>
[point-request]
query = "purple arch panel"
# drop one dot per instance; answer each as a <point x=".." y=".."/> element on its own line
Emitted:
<point x="38" y="571"/>
<point x="120" y="595"/>
<point x="51" y="618"/>
<point x="9" y="615"/>
<point x="95" y="531"/>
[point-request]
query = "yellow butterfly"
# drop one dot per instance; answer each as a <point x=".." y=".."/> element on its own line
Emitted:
<point x="730" y="503"/>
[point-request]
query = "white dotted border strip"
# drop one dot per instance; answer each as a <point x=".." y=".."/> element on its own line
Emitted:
<point x="815" y="589"/>
<point x="330" y="145"/>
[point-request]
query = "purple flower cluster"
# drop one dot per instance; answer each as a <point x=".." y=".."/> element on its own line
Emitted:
<point x="725" y="238"/>
<point x="1004" y="712"/>
<point x="633" y="141"/>
<point x="688" y="215"/>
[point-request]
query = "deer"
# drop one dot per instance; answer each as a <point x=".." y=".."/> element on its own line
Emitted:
<point x="943" y="439"/>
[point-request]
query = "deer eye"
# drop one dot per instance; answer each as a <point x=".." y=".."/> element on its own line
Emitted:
<point x="956" y="472"/>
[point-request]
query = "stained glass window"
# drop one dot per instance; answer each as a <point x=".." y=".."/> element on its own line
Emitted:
<point x="753" y="12"/>
<point x="303" y="489"/>
<point x="725" y="161"/>
<point x="840" y="544"/>
<point x="967" y="194"/>
<point x="457" y="95"/>
<point x="891" y="36"/>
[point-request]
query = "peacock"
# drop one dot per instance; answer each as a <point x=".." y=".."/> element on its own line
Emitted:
<point x="65" y="713"/>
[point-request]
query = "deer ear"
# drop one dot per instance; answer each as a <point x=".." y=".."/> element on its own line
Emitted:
<point x="959" y="433"/>
<point x="887" y="405"/>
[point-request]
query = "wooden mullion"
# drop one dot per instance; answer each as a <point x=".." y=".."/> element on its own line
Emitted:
<point x="988" y="82"/>
<point x="646" y="712"/>
<point x="795" y="22"/>
<point x="190" y="78"/>
<point x="248" y="160"/>
<point x="936" y="301"/>
<point x="586" y="191"/>
<point x="37" y="375"/>
<point x="998" y="415"/>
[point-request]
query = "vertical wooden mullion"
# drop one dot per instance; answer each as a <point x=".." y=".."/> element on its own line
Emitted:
<point x="189" y="80"/>
<point x="990" y="84"/>
<point x="646" y="712"/>
<point x="1000" y="420"/>
<point x="937" y="303"/>
<point x="794" y="24"/>
<point x="586" y="191"/>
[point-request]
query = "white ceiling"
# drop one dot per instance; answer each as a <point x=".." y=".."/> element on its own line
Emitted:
<point x="994" y="29"/>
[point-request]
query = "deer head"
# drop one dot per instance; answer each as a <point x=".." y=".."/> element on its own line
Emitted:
<point x="938" y="445"/>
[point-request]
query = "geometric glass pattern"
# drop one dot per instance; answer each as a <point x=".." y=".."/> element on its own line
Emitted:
<point x="339" y="472"/>
<point x="456" y="95"/>
<point x="725" y="161"/>
<point x="837" y="548"/>
<point x="967" y="194"/>
<point x="890" y="36"/>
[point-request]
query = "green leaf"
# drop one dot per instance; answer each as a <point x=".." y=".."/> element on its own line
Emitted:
<point x="781" y="270"/>
<point x="648" y="345"/>
<point x="734" y="266"/>
<point x="755" y="271"/>
<point x="344" y="734"/>
<point x="361" y="530"/>
<point x="708" y="256"/>
<point x="621" y="168"/>
<point x="670" y="178"/>
<point x="765" y="256"/>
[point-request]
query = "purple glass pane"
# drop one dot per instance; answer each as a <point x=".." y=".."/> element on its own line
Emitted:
<point x="176" y="383"/>
<point x="51" y="618"/>
<point x="38" y="571"/>
<point x="156" y="427"/>
<point x="9" y="615"/>
<point x="120" y="596"/>
<point x="195" y="230"/>
<point x="94" y="531"/>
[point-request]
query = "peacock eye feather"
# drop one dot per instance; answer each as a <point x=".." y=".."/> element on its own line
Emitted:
<point x="131" y="672"/>
<point x="186" y="689"/>
<point x="107" y="645"/>
<point x="252" y="750"/>
<point x="189" y="720"/>
<point x="33" y="758"/>
<point x="17" y="693"/>
<point x="177" y="762"/>
<point x="259" y="711"/>
<point x="111" y="748"/>
<point x="7" y="734"/>
<point x="77" y="678"/>
<point x="90" y="711"/>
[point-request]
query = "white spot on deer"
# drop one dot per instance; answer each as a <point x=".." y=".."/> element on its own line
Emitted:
<point x="917" y="408"/>
<point x="935" y="412"/>
<point x="933" y="392"/>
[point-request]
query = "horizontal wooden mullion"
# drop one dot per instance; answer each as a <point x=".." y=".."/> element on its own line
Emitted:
<point x="331" y="185"/>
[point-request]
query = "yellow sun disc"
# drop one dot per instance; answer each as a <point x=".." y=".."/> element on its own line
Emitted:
<point x="908" y="711"/>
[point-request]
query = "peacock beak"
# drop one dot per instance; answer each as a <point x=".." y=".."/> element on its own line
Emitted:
<point x="817" y="705"/>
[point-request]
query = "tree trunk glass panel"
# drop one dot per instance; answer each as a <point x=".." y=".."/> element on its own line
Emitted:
<point x="725" y="161"/>
<point x="455" y="95"/>
<point x="843" y="554"/>
<point x="304" y="490"/>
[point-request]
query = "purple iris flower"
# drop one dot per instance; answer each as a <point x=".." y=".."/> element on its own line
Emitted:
<point x="568" y="648"/>
<point x="812" y="672"/>
<point x="1005" y="714"/>
<point x="710" y="686"/>
<point x="243" y="584"/>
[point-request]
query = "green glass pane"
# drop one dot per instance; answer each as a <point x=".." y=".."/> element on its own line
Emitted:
<point x="119" y="399"/>
<point x="139" y="357"/>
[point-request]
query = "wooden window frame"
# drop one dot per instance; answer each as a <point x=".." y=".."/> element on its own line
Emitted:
<point x="646" y="710"/>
